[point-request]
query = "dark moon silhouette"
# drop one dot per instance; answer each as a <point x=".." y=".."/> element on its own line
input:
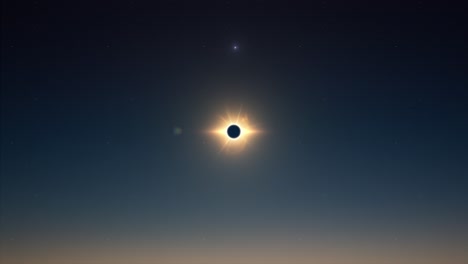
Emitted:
<point x="233" y="131"/>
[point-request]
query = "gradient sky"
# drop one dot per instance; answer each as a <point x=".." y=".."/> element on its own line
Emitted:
<point x="362" y="159"/>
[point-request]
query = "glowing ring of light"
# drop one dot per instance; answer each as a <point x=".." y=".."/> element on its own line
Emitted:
<point x="246" y="131"/>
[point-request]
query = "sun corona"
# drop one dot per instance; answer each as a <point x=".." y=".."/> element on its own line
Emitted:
<point x="233" y="131"/>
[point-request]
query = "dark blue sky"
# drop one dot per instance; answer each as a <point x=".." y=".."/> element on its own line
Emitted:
<point x="364" y="109"/>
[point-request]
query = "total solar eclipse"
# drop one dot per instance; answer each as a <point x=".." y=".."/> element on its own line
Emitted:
<point x="233" y="131"/>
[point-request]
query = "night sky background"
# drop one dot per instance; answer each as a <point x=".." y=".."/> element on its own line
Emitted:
<point x="363" y="157"/>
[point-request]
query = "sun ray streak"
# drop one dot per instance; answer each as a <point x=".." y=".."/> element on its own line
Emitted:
<point x="238" y="114"/>
<point x="225" y="145"/>
<point x="228" y="114"/>
<point x="223" y="119"/>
